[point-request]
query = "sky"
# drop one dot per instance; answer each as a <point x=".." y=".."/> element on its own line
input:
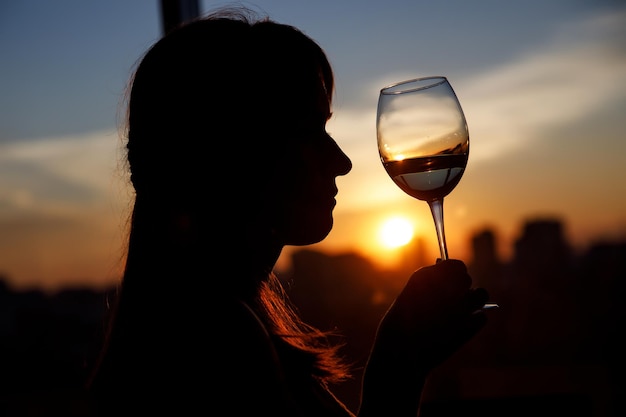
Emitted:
<point x="542" y="84"/>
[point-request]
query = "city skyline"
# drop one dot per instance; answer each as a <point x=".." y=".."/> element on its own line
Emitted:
<point x="417" y="252"/>
<point x="544" y="350"/>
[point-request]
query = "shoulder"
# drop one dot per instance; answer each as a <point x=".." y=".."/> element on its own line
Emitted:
<point x="247" y="373"/>
<point x="240" y="341"/>
<point x="241" y="330"/>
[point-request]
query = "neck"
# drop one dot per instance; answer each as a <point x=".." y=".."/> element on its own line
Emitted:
<point x="264" y="253"/>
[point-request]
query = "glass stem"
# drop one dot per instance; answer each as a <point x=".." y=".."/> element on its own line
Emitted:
<point x="436" y="208"/>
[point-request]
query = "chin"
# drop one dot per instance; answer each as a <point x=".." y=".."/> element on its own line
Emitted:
<point x="310" y="233"/>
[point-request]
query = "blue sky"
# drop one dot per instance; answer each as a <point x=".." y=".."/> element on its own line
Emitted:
<point x="542" y="82"/>
<point x="64" y="62"/>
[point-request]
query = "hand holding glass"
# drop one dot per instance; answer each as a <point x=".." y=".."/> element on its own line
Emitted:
<point x="423" y="142"/>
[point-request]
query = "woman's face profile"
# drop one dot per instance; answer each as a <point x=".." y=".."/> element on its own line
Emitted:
<point x="304" y="187"/>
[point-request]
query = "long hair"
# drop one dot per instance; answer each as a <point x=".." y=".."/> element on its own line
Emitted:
<point x="201" y="110"/>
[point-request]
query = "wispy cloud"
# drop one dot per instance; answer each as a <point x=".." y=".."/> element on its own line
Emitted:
<point x="57" y="175"/>
<point x="578" y="72"/>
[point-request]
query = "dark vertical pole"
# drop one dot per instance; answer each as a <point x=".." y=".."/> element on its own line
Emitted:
<point x="175" y="12"/>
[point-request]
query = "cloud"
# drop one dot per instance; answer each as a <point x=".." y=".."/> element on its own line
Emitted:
<point x="58" y="175"/>
<point x="578" y="72"/>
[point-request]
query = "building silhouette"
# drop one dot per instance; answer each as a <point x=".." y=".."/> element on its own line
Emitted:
<point x="554" y="346"/>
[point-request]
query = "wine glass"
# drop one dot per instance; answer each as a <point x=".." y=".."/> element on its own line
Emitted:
<point x="423" y="142"/>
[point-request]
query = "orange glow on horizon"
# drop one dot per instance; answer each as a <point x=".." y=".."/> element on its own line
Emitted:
<point x="395" y="232"/>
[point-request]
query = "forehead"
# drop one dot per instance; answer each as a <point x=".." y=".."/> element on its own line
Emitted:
<point x="309" y="101"/>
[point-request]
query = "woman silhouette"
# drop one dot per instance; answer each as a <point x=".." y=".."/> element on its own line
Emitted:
<point x="230" y="161"/>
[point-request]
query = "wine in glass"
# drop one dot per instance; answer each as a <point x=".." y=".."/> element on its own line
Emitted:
<point x="423" y="142"/>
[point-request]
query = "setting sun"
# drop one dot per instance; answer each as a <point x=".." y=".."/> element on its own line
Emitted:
<point x="396" y="232"/>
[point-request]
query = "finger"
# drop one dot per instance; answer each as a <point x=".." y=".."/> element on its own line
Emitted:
<point x="476" y="299"/>
<point x="454" y="269"/>
<point x="474" y="324"/>
<point x="455" y="265"/>
<point x="437" y="288"/>
<point x="460" y="332"/>
<point x="449" y="269"/>
<point x="470" y="326"/>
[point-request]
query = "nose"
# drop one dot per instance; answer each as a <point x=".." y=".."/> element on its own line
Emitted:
<point x="341" y="162"/>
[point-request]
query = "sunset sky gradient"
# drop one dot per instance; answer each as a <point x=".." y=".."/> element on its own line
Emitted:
<point x="542" y="84"/>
